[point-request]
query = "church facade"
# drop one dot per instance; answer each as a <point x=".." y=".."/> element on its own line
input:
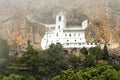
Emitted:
<point x="69" y="37"/>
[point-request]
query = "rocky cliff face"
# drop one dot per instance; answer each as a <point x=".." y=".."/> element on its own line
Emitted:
<point x="19" y="29"/>
<point x="103" y="16"/>
<point x="106" y="27"/>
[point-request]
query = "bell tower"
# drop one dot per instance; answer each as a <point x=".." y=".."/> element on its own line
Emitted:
<point x="60" y="20"/>
<point x="60" y="25"/>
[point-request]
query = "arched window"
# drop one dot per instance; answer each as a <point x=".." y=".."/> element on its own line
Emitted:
<point x="87" y="43"/>
<point x="70" y="35"/>
<point x="58" y="27"/>
<point x="57" y="34"/>
<point x="59" y="18"/>
<point x="67" y="43"/>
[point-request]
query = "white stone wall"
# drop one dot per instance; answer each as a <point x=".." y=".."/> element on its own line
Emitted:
<point x="68" y="37"/>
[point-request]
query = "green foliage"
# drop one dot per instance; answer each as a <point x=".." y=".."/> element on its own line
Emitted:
<point x="29" y="54"/>
<point x="84" y="51"/>
<point x="46" y="64"/>
<point x="1" y="77"/>
<point x="53" y="61"/>
<point x="97" y="52"/>
<point x="102" y="71"/>
<point x="66" y="75"/>
<point x="89" y="61"/>
<point x="4" y="56"/>
<point x="74" y="61"/>
<point x="14" y="77"/>
<point x="31" y="78"/>
<point x="56" y="49"/>
<point x="4" y="51"/>
<point x="30" y="50"/>
<point x="116" y="66"/>
<point x="108" y="72"/>
<point x="105" y="53"/>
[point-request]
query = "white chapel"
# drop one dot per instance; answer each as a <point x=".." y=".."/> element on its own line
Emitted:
<point x="69" y="37"/>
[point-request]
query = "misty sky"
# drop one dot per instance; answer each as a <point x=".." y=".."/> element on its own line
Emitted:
<point x="8" y="7"/>
<point x="91" y="8"/>
<point x="35" y="3"/>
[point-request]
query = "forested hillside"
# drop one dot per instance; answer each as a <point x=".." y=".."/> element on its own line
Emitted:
<point x="55" y="64"/>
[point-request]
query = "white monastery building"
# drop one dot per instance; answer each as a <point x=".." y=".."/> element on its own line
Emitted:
<point x="69" y="37"/>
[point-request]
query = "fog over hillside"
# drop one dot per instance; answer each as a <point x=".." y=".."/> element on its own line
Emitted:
<point x="44" y="10"/>
<point x="103" y="15"/>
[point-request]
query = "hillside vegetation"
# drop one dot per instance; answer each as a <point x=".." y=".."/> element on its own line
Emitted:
<point x="55" y="64"/>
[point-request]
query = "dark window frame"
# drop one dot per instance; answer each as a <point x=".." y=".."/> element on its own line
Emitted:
<point x="60" y="18"/>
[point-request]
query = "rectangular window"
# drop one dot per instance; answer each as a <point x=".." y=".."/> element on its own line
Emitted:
<point x="59" y="18"/>
<point x="58" y="27"/>
<point x="67" y="43"/>
<point x="57" y="34"/>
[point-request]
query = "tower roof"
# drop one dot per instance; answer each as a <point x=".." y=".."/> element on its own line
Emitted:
<point x="61" y="13"/>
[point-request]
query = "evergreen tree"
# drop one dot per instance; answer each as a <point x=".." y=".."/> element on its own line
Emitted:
<point x="52" y="61"/>
<point x="4" y="51"/>
<point x="84" y="51"/>
<point x="97" y="52"/>
<point x="102" y="71"/>
<point x="105" y="51"/>
<point x="89" y="61"/>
